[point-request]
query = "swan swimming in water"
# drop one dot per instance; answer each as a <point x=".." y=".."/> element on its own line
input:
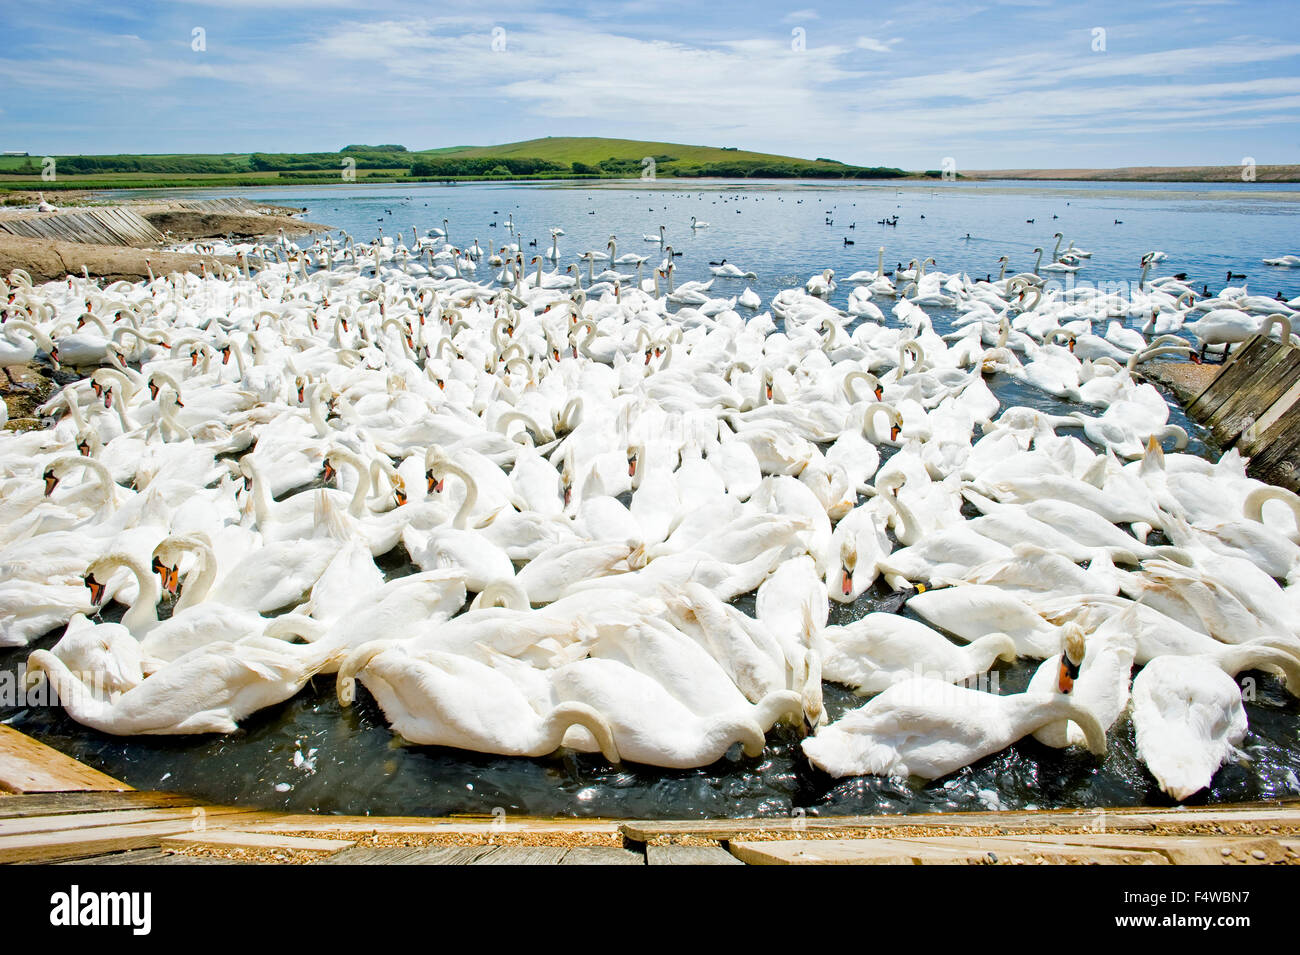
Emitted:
<point x="440" y="408"/>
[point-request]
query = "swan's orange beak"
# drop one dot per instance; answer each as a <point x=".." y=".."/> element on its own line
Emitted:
<point x="300" y="391"/>
<point x="1068" y="673"/>
<point x="880" y="392"/>
<point x="329" y="471"/>
<point x="83" y="448"/>
<point x="631" y="465"/>
<point x="95" y="587"/>
<point x="769" y="392"/>
<point x="568" y="494"/>
<point x="225" y="355"/>
<point x="194" y="360"/>
<point x="153" y="390"/>
<point x="51" y="482"/>
<point x="894" y="431"/>
<point x="848" y="582"/>
<point x="647" y="356"/>
<point x="108" y="399"/>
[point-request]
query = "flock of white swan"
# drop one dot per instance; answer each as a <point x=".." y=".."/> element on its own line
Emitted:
<point x="586" y="481"/>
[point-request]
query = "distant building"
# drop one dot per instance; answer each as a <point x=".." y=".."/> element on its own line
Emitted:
<point x="15" y="152"/>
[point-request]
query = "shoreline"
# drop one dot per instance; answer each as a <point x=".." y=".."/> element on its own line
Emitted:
<point x="1281" y="174"/>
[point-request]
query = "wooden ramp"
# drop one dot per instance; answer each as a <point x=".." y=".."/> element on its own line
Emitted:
<point x="28" y="766"/>
<point x="109" y="226"/>
<point x="1253" y="404"/>
<point x="234" y="205"/>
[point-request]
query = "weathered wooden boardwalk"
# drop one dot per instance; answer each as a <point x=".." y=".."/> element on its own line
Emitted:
<point x="60" y="811"/>
<point x="113" y="226"/>
<point x="118" y="225"/>
<point x="1253" y="404"/>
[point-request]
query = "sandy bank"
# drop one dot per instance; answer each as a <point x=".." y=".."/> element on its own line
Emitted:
<point x="1185" y="379"/>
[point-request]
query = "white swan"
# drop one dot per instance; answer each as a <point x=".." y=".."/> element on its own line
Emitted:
<point x="1189" y="720"/>
<point x="930" y="728"/>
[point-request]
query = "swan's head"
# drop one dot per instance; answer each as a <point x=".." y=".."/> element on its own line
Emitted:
<point x="849" y="563"/>
<point x="168" y="575"/>
<point x="1071" y="658"/>
<point x="94" y="584"/>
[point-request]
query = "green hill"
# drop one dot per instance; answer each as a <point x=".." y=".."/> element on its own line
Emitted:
<point x="554" y="157"/>
<point x="593" y="149"/>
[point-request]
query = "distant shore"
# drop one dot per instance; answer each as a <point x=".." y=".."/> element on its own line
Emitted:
<point x="1146" y="174"/>
<point x="80" y="186"/>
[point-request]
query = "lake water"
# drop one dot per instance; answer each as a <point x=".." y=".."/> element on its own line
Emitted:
<point x="780" y="232"/>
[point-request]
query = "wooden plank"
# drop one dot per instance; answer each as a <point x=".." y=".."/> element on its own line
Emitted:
<point x="1235" y="374"/>
<point x="689" y="855"/>
<point x="439" y="825"/>
<point x="79" y="843"/>
<point x="89" y="820"/>
<point x="235" y="839"/>
<point x="29" y="766"/>
<point x="53" y="804"/>
<point x="1272" y="376"/>
<point x="725" y="829"/>
<point x="1251" y="438"/>
<point x="522" y="855"/>
<point x="1036" y="853"/>
<point x="1129" y="818"/>
<point x="941" y="850"/>
<point x="408" y="855"/>
<point x="1277" y="456"/>
<point x="602" y="855"/>
<point x="154" y="857"/>
<point x="1182" y="850"/>
<point x="856" y="852"/>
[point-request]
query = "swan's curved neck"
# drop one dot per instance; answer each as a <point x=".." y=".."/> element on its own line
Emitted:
<point x="357" y="506"/>
<point x="197" y="591"/>
<point x="143" y="615"/>
<point x="869" y="421"/>
<point x="551" y="730"/>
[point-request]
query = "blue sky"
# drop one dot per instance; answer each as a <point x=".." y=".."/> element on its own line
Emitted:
<point x="993" y="84"/>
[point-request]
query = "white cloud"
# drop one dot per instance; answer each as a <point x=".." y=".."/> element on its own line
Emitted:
<point x="877" y="46"/>
<point x="798" y="16"/>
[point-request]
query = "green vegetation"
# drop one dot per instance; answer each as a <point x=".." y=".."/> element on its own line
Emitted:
<point x="549" y="158"/>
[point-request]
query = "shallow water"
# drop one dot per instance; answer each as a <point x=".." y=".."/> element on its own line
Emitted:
<point x="778" y="231"/>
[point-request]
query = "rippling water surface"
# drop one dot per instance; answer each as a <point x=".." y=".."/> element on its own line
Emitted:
<point x="779" y="231"/>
